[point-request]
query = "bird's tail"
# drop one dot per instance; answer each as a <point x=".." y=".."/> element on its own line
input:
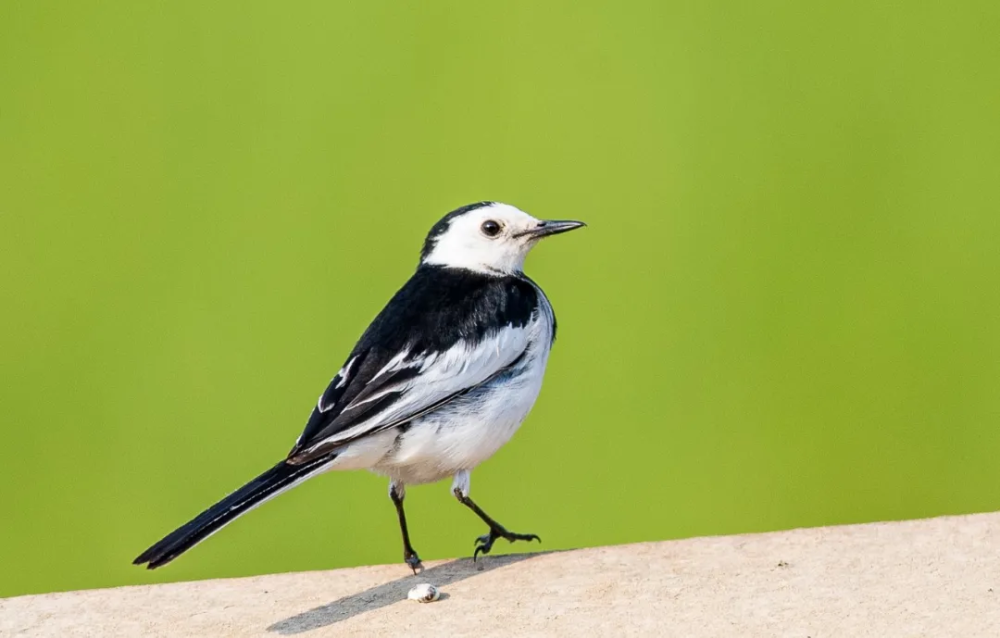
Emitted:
<point x="276" y="480"/>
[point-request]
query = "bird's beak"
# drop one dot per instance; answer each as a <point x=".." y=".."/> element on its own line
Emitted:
<point x="552" y="227"/>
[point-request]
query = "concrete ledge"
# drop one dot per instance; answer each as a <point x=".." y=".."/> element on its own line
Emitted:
<point x="937" y="577"/>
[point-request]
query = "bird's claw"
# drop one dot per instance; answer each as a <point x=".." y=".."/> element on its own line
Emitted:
<point x="485" y="542"/>
<point x="414" y="562"/>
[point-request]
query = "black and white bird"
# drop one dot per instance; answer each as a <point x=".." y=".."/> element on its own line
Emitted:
<point x="439" y="381"/>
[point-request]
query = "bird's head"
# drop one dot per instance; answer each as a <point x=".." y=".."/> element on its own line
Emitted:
<point x="488" y="237"/>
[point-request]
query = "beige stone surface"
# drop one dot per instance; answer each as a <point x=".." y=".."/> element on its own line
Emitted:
<point x="937" y="577"/>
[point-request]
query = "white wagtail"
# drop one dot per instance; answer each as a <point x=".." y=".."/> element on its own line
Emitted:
<point x="439" y="381"/>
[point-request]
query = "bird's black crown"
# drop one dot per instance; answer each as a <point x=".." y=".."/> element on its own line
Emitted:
<point x="439" y="228"/>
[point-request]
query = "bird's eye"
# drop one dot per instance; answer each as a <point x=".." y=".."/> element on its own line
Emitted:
<point x="491" y="228"/>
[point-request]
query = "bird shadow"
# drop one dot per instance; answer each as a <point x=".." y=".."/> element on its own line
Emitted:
<point x="392" y="592"/>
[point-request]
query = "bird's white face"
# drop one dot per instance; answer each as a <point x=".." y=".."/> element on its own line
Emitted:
<point x="492" y="238"/>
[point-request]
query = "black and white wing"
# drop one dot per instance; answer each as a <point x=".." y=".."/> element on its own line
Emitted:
<point x="444" y="334"/>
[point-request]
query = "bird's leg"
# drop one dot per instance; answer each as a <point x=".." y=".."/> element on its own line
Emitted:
<point x="485" y="542"/>
<point x="397" y="492"/>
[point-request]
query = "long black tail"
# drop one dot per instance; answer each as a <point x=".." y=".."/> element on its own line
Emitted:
<point x="276" y="480"/>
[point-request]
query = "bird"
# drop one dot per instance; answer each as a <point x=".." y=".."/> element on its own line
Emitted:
<point x="440" y="380"/>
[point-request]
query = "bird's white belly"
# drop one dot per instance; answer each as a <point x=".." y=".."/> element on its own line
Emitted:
<point x="465" y="432"/>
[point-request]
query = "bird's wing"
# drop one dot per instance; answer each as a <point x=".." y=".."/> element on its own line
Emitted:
<point x="376" y="390"/>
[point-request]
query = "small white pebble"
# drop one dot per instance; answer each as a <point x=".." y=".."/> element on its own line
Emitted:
<point x="424" y="593"/>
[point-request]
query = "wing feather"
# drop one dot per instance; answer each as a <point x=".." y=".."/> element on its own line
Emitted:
<point x="414" y="385"/>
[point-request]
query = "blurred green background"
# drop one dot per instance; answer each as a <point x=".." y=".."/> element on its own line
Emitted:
<point x="785" y="312"/>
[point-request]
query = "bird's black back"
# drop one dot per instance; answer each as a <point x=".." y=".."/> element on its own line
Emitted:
<point x="433" y="311"/>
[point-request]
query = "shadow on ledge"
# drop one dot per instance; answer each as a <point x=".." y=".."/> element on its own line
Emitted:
<point x="392" y="592"/>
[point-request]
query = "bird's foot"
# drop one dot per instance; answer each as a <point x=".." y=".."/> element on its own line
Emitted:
<point x="485" y="542"/>
<point x="410" y="558"/>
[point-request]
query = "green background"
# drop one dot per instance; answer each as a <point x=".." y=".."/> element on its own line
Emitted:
<point x="785" y="312"/>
